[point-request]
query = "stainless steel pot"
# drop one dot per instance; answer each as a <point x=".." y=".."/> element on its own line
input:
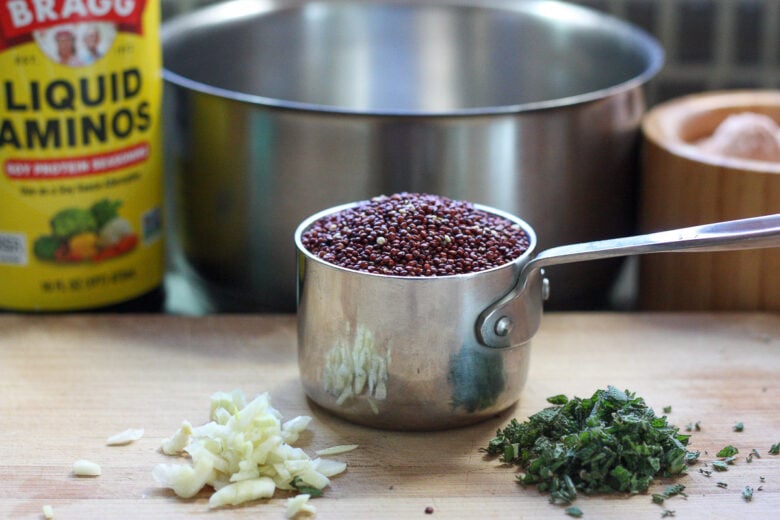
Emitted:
<point x="436" y="352"/>
<point x="276" y="109"/>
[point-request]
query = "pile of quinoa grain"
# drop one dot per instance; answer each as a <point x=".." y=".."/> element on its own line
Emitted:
<point x="413" y="234"/>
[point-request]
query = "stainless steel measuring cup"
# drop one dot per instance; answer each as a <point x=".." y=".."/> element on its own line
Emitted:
<point x="424" y="353"/>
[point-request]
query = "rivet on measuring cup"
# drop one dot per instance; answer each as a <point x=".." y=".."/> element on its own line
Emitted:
<point x="545" y="289"/>
<point x="503" y="326"/>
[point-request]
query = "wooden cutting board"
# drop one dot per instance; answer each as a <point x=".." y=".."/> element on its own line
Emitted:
<point x="69" y="382"/>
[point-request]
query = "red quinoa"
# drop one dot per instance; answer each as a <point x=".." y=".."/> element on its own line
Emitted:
<point x="412" y="234"/>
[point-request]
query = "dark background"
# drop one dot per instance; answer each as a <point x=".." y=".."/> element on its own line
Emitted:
<point x="709" y="44"/>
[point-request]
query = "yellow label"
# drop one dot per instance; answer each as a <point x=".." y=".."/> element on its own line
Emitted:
<point x="80" y="153"/>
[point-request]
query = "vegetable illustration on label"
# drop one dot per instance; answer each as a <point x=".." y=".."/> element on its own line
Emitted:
<point x="93" y="234"/>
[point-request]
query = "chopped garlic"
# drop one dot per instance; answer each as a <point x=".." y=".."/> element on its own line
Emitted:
<point x="299" y="504"/>
<point x="292" y="429"/>
<point x="244" y="453"/>
<point x="224" y="405"/>
<point x="329" y="467"/>
<point x="86" y="468"/>
<point x="243" y="491"/>
<point x="125" y="437"/>
<point x="183" y="479"/>
<point x="176" y="444"/>
<point x="336" y="450"/>
<point x="48" y="512"/>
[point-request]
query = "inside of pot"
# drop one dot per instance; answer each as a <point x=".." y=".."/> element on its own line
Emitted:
<point x="422" y="57"/>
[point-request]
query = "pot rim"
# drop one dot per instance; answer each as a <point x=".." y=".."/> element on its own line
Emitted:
<point x="517" y="261"/>
<point x="247" y="8"/>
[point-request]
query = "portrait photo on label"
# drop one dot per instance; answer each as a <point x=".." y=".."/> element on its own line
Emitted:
<point x="76" y="44"/>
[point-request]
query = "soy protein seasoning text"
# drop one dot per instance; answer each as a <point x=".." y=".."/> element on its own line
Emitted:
<point x="411" y="234"/>
<point x="80" y="155"/>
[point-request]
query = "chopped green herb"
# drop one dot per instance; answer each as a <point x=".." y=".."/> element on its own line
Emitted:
<point x="675" y="489"/>
<point x="302" y="487"/>
<point x="747" y="493"/>
<point x="667" y="513"/>
<point x="753" y="454"/>
<point x="558" y="399"/>
<point x="574" y="511"/>
<point x="730" y="460"/>
<point x="705" y="472"/>
<point x="722" y="485"/>
<point x="775" y="449"/>
<point x="670" y="491"/>
<point x="728" y="451"/>
<point x="667" y="409"/>
<point x="693" y="426"/>
<point x="762" y="479"/>
<point x="611" y="442"/>
<point x="739" y="427"/>
<point x="719" y="465"/>
<point x="692" y="456"/>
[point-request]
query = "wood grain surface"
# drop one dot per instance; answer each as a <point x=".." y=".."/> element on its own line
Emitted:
<point x="69" y="382"/>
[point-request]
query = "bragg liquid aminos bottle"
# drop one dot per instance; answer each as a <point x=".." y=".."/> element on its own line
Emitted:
<point x="80" y="155"/>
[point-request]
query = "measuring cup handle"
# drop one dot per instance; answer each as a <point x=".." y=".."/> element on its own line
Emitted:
<point x="512" y="320"/>
<point x="749" y="233"/>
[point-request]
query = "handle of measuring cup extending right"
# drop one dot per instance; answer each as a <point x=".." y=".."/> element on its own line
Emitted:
<point x="749" y="233"/>
<point x="494" y="325"/>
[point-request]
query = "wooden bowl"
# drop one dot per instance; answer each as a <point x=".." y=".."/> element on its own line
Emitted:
<point x="682" y="185"/>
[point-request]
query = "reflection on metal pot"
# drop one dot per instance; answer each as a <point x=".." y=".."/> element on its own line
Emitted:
<point x="276" y="110"/>
<point x="477" y="378"/>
